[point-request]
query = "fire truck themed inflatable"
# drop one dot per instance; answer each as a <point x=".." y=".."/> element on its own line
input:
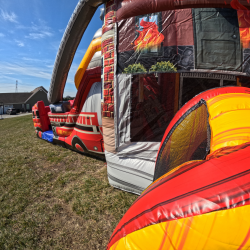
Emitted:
<point x="163" y="92"/>
<point x="77" y="124"/>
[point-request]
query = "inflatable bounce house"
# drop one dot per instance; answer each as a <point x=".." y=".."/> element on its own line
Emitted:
<point x="164" y="93"/>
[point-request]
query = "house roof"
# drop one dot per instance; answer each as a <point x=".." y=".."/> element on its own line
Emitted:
<point x="39" y="88"/>
<point x="19" y="98"/>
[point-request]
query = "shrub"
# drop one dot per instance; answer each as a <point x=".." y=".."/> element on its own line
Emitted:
<point x="163" y="67"/>
<point x="135" y="68"/>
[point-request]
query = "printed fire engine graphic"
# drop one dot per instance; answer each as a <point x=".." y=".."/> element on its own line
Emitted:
<point x="63" y="124"/>
<point x="62" y="118"/>
<point x="81" y="132"/>
<point x="87" y="134"/>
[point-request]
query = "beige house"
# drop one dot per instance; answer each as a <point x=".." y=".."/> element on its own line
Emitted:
<point x="24" y="101"/>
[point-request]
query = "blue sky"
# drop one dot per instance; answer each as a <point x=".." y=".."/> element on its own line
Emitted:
<point x="30" y="34"/>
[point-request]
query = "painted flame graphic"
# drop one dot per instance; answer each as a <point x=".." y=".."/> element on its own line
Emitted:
<point x="244" y="22"/>
<point x="235" y="4"/>
<point x="149" y="37"/>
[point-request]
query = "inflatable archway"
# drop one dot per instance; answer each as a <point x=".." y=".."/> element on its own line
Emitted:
<point x="194" y="203"/>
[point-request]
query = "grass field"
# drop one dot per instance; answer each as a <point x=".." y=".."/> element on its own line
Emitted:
<point x="51" y="197"/>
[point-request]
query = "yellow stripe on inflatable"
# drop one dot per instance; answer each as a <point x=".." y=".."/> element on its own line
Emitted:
<point x="224" y="230"/>
<point x="229" y="119"/>
<point x="169" y="173"/>
<point x="94" y="46"/>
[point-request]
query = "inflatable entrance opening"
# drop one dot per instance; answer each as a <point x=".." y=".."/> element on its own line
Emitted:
<point x="207" y="123"/>
<point x="189" y="139"/>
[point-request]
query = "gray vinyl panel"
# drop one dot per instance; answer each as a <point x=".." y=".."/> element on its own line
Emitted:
<point x="129" y="181"/>
<point x="217" y="39"/>
<point x="96" y="60"/>
<point x="93" y="101"/>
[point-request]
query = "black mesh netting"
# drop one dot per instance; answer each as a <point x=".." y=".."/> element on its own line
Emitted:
<point x="152" y="106"/>
<point x="194" y="86"/>
<point x="188" y="140"/>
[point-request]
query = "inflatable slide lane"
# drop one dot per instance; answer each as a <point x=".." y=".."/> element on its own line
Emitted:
<point x="77" y="124"/>
<point x="200" y="196"/>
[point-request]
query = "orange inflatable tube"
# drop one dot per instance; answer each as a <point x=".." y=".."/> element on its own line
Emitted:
<point x="94" y="46"/>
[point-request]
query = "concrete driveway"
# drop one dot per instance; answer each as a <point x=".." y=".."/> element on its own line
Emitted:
<point x="13" y="116"/>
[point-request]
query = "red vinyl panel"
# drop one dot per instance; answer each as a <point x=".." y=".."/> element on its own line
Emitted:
<point x="43" y="114"/>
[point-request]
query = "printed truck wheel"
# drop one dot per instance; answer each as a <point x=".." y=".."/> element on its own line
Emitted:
<point x="78" y="145"/>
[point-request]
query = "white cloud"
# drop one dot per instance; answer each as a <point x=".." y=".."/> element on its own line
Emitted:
<point x="46" y="62"/>
<point x="19" y="43"/>
<point x="2" y="35"/>
<point x="11" y="17"/>
<point x="39" y="35"/>
<point x="8" y="77"/>
<point x="50" y="66"/>
<point x="25" y="70"/>
<point x="37" y="31"/>
<point x="32" y="59"/>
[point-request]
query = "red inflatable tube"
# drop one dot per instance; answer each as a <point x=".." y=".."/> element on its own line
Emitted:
<point x="197" y="188"/>
<point x="205" y="96"/>
<point x="40" y="116"/>
<point x="140" y="7"/>
<point x="90" y="77"/>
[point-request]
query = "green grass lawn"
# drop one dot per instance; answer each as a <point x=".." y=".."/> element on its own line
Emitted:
<point x="52" y="197"/>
